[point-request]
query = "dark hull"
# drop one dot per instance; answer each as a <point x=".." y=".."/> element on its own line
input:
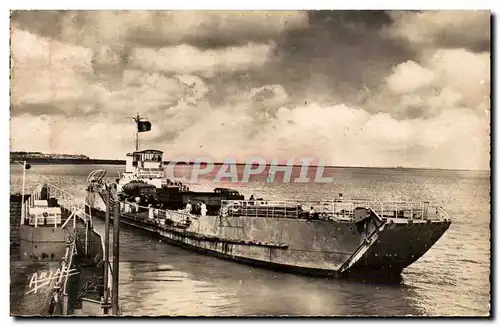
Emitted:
<point x="243" y="260"/>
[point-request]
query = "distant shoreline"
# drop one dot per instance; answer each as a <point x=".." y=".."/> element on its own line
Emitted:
<point x="76" y="161"/>
<point x="69" y="161"/>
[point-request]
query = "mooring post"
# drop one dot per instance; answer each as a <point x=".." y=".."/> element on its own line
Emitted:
<point x="116" y="256"/>
<point x="106" y="256"/>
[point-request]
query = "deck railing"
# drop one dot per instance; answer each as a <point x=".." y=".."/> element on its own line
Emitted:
<point x="254" y="208"/>
<point x="155" y="213"/>
<point x="73" y="204"/>
<point x="339" y="209"/>
<point x="70" y="202"/>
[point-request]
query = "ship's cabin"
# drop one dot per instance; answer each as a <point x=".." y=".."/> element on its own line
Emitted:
<point x="146" y="165"/>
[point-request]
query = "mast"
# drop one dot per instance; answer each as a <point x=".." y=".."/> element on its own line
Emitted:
<point x="137" y="119"/>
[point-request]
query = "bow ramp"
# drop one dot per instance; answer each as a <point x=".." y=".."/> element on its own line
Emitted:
<point x="396" y="235"/>
<point x="368" y="241"/>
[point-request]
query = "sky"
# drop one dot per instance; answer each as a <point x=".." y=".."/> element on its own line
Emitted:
<point x="350" y="88"/>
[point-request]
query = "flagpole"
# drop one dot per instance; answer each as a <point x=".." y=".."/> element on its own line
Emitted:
<point x="137" y="120"/>
<point x="136" y="140"/>
<point x="137" y="132"/>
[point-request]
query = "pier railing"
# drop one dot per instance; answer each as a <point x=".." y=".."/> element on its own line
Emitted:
<point x="334" y="209"/>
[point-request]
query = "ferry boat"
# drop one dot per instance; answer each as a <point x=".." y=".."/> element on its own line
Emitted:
<point x="333" y="238"/>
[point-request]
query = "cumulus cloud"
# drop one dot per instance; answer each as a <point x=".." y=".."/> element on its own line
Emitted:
<point x="408" y="77"/>
<point x="466" y="72"/>
<point x="343" y="135"/>
<point x="447" y="79"/>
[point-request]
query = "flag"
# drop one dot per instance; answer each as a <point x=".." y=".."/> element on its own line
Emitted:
<point x="143" y="126"/>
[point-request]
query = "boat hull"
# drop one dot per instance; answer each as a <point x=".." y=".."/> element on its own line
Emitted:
<point x="64" y="264"/>
<point x="323" y="248"/>
<point x="42" y="243"/>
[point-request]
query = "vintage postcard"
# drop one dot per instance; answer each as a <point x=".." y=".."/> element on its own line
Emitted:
<point x="250" y="163"/>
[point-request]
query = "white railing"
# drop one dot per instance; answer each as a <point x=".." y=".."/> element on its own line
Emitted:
<point x="261" y="208"/>
<point x="343" y="208"/>
<point x="161" y="214"/>
<point x="70" y="202"/>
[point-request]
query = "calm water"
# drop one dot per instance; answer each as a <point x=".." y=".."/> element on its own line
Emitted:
<point x="453" y="278"/>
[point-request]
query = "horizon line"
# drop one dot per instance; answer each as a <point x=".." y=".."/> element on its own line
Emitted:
<point x="121" y="161"/>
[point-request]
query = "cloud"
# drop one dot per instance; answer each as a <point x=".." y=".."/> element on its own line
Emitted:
<point x="442" y="29"/>
<point x="352" y="88"/>
<point x="47" y="72"/>
<point x="153" y="93"/>
<point x="157" y="29"/>
<point x="57" y="134"/>
<point x="340" y="135"/>
<point x="436" y="84"/>
<point x="408" y="77"/>
<point x="266" y="100"/>
<point x="186" y="42"/>
<point x="343" y="135"/>
<point x="466" y="72"/>
<point x="211" y="29"/>
<point x="187" y="59"/>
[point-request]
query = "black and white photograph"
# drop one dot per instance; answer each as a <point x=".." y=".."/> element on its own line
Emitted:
<point x="250" y="163"/>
